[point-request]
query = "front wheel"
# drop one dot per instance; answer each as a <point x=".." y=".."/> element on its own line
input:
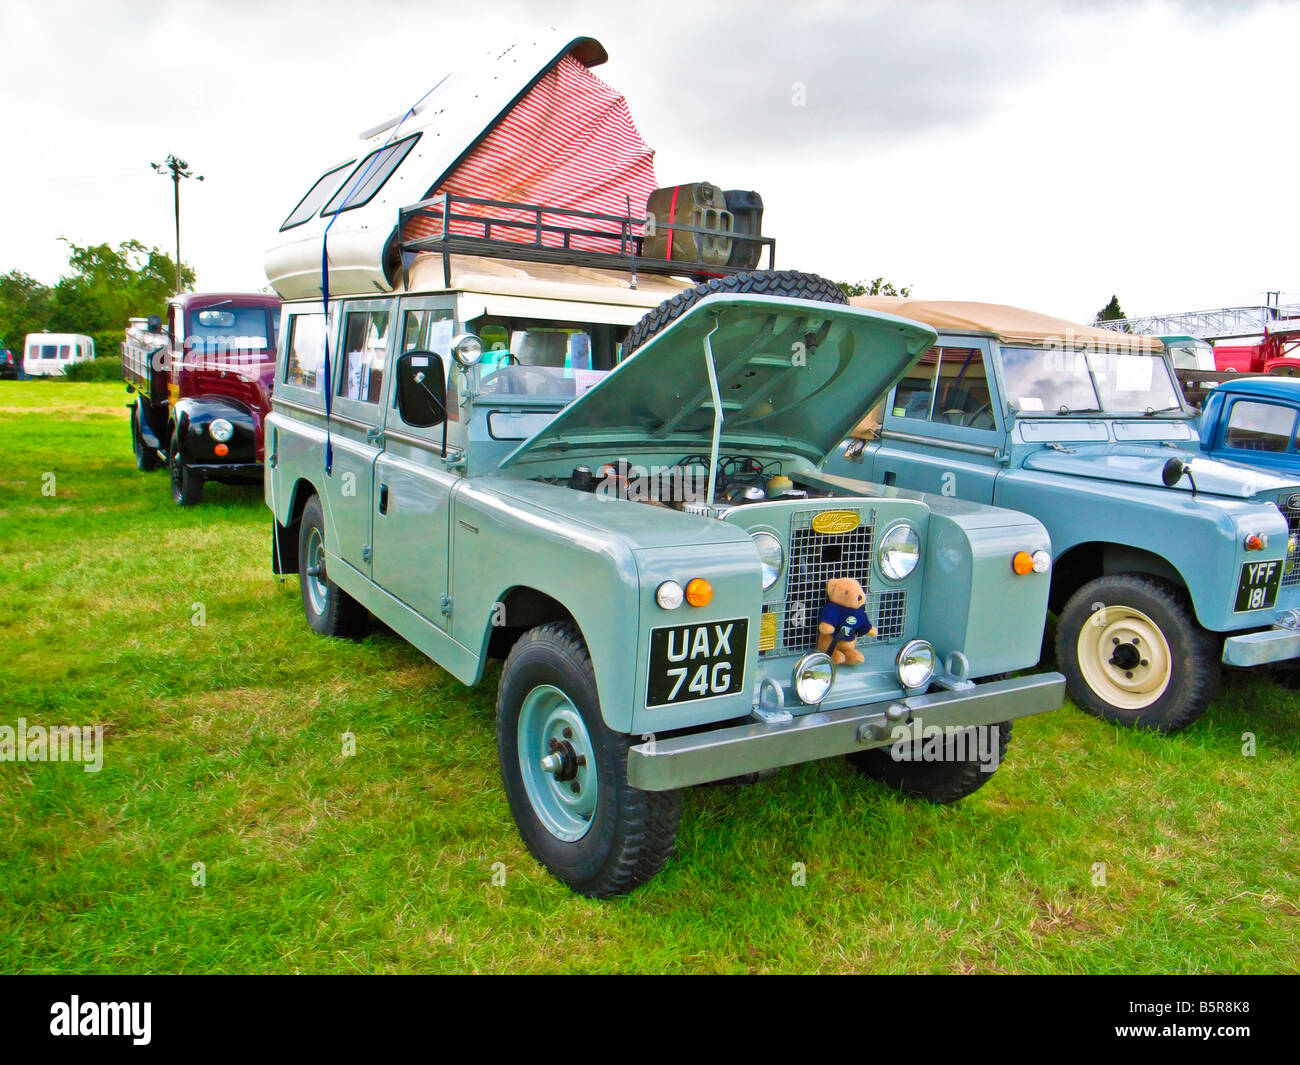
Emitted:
<point x="1132" y="652"/>
<point x="565" y="771"/>
<point x="187" y="488"/>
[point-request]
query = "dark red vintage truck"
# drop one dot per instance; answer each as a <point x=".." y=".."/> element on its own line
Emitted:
<point x="201" y="381"/>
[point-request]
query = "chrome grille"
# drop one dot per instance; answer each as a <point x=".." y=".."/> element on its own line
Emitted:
<point x="1291" y="573"/>
<point x="812" y="560"/>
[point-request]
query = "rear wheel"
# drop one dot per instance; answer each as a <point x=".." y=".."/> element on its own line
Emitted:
<point x="187" y="488"/>
<point x="565" y="771"/>
<point x="330" y="610"/>
<point x="146" y="458"/>
<point x="790" y="283"/>
<point x="941" y="772"/>
<point x="1133" y="653"/>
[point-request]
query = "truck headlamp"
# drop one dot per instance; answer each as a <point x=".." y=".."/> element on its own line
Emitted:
<point x="900" y="551"/>
<point x="771" y="556"/>
<point x="221" y="430"/>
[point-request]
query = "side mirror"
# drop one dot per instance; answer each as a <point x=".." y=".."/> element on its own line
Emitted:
<point x="422" y="389"/>
<point x="1175" y="470"/>
<point x="154" y="324"/>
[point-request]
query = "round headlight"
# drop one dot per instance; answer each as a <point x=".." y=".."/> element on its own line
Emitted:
<point x="670" y="595"/>
<point x="915" y="664"/>
<point x="771" y="556"/>
<point x="467" y="349"/>
<point x="900" y="551"/>
<point x="813" y="676"/>
<point x="221" y="430"/>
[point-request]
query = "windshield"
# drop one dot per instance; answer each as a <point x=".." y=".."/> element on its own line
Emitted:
<point x="1043" y="381"/>
<point x="538" y="358"/>
<point x="227" y="329"/>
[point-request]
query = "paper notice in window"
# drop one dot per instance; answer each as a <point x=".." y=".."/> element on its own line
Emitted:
<point x="440" y="337"/>
<point x="585" y="379"/>
<point x="1133" y="373"/>
<point x="1030" y="403"/>
<point x="356" y="360"/>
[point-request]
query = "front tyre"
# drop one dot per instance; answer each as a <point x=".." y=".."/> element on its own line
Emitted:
<point x="187" y="488"/>
<point x="960" y="765"/>
<point x="146" y="459"/>
<point x="1132" y="652"/>
<point x="565" y="771"/>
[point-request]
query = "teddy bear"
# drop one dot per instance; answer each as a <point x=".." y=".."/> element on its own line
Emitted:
<point x="842" y="619"/>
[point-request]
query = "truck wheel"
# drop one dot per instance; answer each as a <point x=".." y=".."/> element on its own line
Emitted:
<point x="791" y="283"/>
<point x="565" y="772"/>
<point x="1132" y="652"/>
<point x="938" y="781"/>
<point x="330" y="610"/>
<point x="187" y="489"/>
<point x="146" y="458"/>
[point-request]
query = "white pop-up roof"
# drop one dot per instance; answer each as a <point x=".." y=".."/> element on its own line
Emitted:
<point x="528" y="123"/>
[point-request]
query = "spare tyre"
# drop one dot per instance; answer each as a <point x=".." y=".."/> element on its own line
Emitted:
<point x="792" y="284"/>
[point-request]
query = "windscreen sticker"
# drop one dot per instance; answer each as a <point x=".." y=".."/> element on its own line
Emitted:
<point x="1030" y="403"/>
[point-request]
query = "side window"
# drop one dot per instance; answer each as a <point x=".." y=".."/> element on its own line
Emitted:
<point x="365" y="343"/>
<point x="306" y="354"/>
<point x="1260" y="427"/>
<point x="962" y="390"/>
<point x="65" y="351"/>
<point x="428" y="330"/>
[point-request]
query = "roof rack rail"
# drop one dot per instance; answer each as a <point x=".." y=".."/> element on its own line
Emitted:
<point x="557" y="234"/>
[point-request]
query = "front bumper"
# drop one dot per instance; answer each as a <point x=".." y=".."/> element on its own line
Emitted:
<point x="1278" y="644"/>
<point x="249" y="472"/>
<point x="680" y="761"/>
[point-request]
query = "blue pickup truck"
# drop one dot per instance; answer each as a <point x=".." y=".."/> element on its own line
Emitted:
<point x="1255" y="420"/>
<point x="1166" y="562"/>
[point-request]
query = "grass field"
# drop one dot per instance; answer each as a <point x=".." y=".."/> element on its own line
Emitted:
<point x="223" y="746"/>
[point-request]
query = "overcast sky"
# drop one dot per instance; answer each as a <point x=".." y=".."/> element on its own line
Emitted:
<point x="1039" y="154"/>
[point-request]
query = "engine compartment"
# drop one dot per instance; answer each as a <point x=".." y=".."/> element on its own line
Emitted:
<point x="739" y="480"/>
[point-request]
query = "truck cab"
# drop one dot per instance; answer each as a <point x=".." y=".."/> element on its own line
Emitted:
<point x="1167" y="561"/>
<point x="1254" y="420"/>
<point x="201" y="377"/>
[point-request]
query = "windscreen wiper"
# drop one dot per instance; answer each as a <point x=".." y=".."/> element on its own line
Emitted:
<point x="1064" y="410"/>
<point x="1151" y="412"/>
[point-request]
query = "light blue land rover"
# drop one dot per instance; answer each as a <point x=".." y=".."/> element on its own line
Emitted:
<point x="646" y="544"/>
<point x="1166" y="562"/>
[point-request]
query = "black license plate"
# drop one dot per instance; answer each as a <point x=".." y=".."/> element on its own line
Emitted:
<point x="701" y="661"/>
<point x="1257" y="589"/>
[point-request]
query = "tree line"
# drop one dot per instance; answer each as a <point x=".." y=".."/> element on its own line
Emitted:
<point x="102" y="288"/>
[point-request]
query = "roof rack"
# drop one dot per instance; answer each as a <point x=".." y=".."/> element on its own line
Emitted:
<point x="557" y="234"/>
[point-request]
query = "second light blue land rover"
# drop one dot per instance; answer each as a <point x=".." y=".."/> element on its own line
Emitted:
<point x="1167" y="563"/>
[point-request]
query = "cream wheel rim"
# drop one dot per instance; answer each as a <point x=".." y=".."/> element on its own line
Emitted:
<point x="1124" y="657"/>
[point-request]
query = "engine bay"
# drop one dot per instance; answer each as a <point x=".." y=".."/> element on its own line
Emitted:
<point x="684" y="485"/>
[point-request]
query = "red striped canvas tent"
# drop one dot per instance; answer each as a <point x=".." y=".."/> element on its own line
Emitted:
<point x="530" y="124"/>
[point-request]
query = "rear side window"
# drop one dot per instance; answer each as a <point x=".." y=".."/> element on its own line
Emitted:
<point x="316" y="196"/>
<point x="306" y="350"/>
<point x="1261" y="427"/>
<point x="369" y="176"/>
<point x="365" y="344"/>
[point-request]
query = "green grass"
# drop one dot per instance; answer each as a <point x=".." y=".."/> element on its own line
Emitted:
<point x="223" y="746"/>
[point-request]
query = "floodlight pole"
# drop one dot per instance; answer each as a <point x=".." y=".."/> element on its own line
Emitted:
<point x="176" y="169"/>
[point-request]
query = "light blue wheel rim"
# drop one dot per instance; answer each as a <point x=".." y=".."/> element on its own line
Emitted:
<point x="549" y="715"/>
<point x="317" y="592"/>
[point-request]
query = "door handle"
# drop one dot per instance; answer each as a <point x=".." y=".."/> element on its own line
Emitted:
<point x="383" y="499"/>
